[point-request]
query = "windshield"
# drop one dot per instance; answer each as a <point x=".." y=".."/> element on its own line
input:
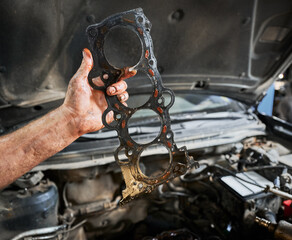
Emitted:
<point x="187" y="107"/>
<point x="187" y="103"/>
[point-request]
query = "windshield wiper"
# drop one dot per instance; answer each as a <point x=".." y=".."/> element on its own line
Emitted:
<point x="138" y="130"/>
<point x="141" y="127"/>
<point x="205" y="116"/>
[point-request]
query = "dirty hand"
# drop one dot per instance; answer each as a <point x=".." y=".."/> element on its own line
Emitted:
<point x="87" y="105"/>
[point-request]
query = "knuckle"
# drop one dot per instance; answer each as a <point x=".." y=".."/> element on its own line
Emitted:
<point x="123" y="97"/>
<point x="125" y="85"/>
<point x="121" y="86"/>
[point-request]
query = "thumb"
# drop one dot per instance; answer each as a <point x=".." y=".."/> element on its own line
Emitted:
<point x="87" y="62"/>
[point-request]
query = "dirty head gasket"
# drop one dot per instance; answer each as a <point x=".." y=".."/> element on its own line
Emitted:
<point x="136" y="182"/>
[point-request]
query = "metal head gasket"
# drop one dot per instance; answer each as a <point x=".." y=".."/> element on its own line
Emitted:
<point x="136" y="181"/>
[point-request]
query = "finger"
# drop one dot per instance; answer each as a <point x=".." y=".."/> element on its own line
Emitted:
<point x="86" y="65"/>
<point x="117" y="88"/>
<point x="123" y="97"/>
<point x="128" y="73"/>
<point x="97" y="82"/>
<point x="109" y="117"/>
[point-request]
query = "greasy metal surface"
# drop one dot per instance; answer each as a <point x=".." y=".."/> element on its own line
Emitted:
<point x="26" y="209"/>
<point x="136" y="182"/>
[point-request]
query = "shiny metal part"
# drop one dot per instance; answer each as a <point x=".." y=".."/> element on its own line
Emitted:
<point x="136" y="182"/>
<point x="278" y="192"/>
<point x="56" y="232"/>
<point x="262" y="222"/>
<point x="29" y="179"/>
<point x="42" y="231"/>
<point x="282" y="230"/>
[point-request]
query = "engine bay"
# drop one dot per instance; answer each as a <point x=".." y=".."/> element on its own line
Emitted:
<point x="227" y="197"/>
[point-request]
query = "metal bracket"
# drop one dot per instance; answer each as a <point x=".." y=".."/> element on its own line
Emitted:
<point x="136" y="182"/>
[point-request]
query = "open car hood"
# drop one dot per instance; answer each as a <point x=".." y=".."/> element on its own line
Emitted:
<point x="231" y="48"/>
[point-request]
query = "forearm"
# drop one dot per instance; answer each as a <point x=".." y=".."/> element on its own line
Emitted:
<point x="80" y="113"/>
<point x="27" y="147"/>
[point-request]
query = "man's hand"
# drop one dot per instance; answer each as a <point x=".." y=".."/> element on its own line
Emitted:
<point x="80" y="113"/>
<point x="86" y="104"/>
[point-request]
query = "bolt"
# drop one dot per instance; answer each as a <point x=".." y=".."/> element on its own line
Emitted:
<point x="140" y="185"/>
<point x="148" y="189"/>
<point x="176" y="168"/>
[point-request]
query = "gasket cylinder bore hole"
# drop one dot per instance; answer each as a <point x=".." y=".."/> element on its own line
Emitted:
<point x="122" y="47"/>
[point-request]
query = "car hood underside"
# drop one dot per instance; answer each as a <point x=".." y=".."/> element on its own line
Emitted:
<point x="231" y="48"/>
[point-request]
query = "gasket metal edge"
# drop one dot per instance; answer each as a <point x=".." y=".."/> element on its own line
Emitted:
<point x="136" y="182"/>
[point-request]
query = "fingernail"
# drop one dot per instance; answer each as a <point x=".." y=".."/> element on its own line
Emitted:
<point x="111" y="90"/>
<point x="85" y="53"/>
<point x="133" y="72"/>
<point x="122" y="97"/>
